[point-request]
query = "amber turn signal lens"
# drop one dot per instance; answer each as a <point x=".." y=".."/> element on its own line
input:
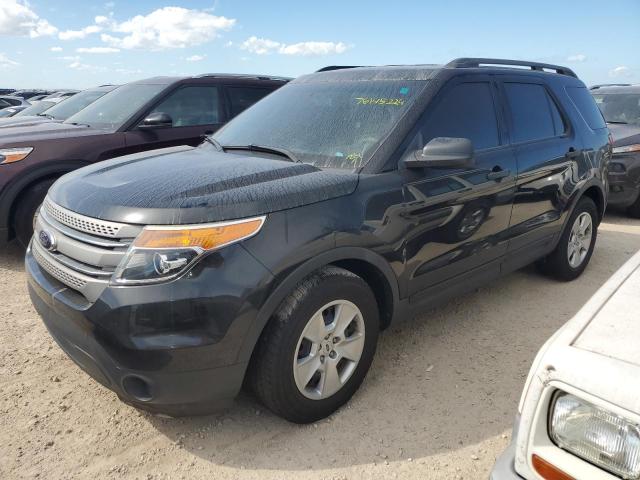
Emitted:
<point x="206" y="237"/>
<point x="548" y="471"/>
<point x="11" y="155"/>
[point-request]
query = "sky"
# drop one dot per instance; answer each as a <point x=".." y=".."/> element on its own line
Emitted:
<point x="83" y="43"/>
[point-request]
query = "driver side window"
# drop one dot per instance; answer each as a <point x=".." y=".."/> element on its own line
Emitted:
<point x="464" y="111"/>
<point x="191" y="106"/>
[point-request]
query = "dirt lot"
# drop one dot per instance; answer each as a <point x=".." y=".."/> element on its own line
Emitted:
<point x="438" y="403"/>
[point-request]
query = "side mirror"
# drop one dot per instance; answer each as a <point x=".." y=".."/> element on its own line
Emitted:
<point x="156" y="120"/>
<point x="443" y="152"/>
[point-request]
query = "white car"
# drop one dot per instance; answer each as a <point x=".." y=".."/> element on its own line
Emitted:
<point x="579" y="415"/>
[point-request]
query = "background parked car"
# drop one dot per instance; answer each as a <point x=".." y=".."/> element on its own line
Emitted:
<point x="9" y="112"/>
<point x="27" y="94"/>
<point x="60" y="111"/>
<point x="620" y="105"/>
<point x="144" y="115"/>
<point x="579" y="415"/>
<point x="12" y="101"/>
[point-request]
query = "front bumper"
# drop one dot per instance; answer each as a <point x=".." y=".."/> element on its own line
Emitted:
<point x="624" y="187"/>
<point x="504" y="468"/>
<point x="176" y="372"/>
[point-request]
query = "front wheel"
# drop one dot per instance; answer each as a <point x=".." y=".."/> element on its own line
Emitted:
<point x="318" y="348"/>
<point x="27" y="211"/>
<point x="575" y="247"/>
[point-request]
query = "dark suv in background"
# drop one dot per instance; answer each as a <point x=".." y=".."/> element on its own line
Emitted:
<point x="148" y="114"/>
<point x="620" y="105"/>
<point x="272" y="254"/>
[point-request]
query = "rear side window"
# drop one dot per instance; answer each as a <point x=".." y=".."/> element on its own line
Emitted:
<point x="534" y="114"/>
<point x="587" y="107"/>
<point x="242" y="98"/>
<point x="464" y="111"/>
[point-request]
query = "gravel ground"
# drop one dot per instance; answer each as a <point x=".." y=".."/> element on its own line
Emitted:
<point x="437" y="404"/>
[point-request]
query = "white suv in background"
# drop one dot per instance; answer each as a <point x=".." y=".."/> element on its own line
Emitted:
<point x="579" y="415"/>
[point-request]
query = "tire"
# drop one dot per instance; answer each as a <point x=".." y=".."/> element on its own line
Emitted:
<point x="561" y="264"/>
<point x="634" y="210"/>
<point x="27" y="209"/>
<point x="285" y="350"/>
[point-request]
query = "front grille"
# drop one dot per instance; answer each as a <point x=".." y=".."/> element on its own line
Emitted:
<point x="86" y="251"/>
<point x="65" y="277"/>
<point x="80" y="222"/>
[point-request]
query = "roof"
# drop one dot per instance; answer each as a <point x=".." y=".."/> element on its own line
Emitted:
<point x="620" y="88"/>
<point x="238" y="76"/>
<point x="427" y="71"/>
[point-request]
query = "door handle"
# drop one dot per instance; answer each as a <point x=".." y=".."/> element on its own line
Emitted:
<point x="572" y="153"/>
<point x="498" y="173"/>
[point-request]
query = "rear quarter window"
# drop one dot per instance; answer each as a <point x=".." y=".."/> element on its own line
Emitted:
<point x="586" y="105"/>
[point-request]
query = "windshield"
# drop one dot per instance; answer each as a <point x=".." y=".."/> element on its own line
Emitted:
<point x="7" y="112"/>
<point x="116" y="107"/>
<point x="619" y="107"/>
<point x="35" y="109"/>
<point x="329" y="125"/>
<point x="74" y="104"/>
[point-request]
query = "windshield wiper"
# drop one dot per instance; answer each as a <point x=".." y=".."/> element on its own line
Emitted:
<point x="50" y="117"/>
<point x="261" y="148"/>
<point x="213" y="142"/>
<point x="618" y="122"/>
<point x="80" y="124"/>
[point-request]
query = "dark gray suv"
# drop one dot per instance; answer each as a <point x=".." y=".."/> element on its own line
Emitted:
<point x="620" y="105"/>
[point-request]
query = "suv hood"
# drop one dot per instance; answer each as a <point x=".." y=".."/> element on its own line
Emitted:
<point x="183" y="185"/>
<point x="24" y="121"/>
<point x="44" y="131"/>
<point x="624" y="134"/>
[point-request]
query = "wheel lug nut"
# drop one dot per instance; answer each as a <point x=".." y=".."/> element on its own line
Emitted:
<point x="321" y="358"/>
<point x="336" y="339"/>
<point x="333" y="354"/>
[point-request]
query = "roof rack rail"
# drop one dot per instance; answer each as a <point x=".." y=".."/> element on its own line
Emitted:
<point x="478" y="62"/>
<point x="595" y="87"/>
<point x="244" y="75"/>
<point x="329" y="68"/>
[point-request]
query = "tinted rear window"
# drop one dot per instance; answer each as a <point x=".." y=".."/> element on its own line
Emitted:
<point x="587" y="107"/>
<point x="532" y="112"/>
<point x="243" y="97"/>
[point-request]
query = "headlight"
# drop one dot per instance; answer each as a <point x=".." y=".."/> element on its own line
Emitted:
<point x="11" y="155"/>
<point x="161" y="253"/>
<point x="627" y="148"/>
<point x="596" y="435"/>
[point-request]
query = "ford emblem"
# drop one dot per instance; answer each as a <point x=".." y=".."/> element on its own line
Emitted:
<point x="47" y="240"/>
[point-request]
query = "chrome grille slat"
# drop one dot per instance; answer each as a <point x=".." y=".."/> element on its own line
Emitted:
<point x="82" y="223"/>
<point x="84" y="237"/>
<point x="82" y="252"/>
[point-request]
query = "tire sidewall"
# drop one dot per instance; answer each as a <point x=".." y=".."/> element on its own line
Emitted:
<point x="354" y="290"/>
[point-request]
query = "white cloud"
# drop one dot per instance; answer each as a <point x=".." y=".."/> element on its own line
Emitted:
<point x="195" y="58"/>
<point x="313" y="48"/>
<point x="101" y="20"/>
<point x="264" y="46"/>
<point x="260" y="46"/>
<point x="78" y="65"/>
<point x="55" y="49"/>
<point x="97" y="50"/>
<point x="17" y="18"/>
<point x="578" y="58"/>
<point x="79" y="34"/>
<point x="621" y="71"/>
<point x="168" y="27"/>
<point x="6" y="63"/>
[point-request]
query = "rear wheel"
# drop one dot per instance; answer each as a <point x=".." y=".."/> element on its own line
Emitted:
<point x="576" y="244"/>
<point x="317" y="349"/>
<point x="27" y="211"/>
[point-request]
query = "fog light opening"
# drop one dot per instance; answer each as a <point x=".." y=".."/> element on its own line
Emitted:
<point x="137" y="387"/>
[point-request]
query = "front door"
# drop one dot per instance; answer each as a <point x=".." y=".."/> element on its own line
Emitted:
<point x="195" y="110"/>
<point x="457" y="218"/>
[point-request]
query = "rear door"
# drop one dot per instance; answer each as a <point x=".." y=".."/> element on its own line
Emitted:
<point x="456" y="218"/>
<point x="545" y="146"/>
<point x="195" y="109"/>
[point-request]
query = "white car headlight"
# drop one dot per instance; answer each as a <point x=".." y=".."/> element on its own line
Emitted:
<point x="595" y="435"/>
